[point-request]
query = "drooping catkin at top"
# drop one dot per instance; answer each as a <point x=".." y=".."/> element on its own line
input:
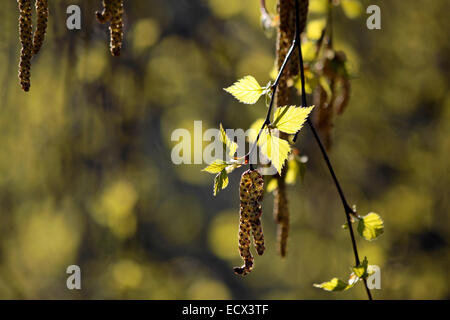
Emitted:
<point x="113" y="13"/>
<point x="286" y="33"/>
<point x="285" y="36"/>
<point x="250" y="194"/>
<point x="41" y="25"/>
<point x="116" y="28"/>
<point x="25" y="35"/>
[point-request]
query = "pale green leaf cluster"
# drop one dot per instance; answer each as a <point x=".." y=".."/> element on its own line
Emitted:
<point x="288" y="119"/>
<point x="221" y="169"/>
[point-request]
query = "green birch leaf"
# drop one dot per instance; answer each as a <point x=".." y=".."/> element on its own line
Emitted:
<point x="370" y="226"/>
<point x="361" y="270"/>
<point x="290" y="119"/>
<point x="275" y="149"/>
<point x="246" y="90"/>
<point x="220" y="181"/>
<point x="216" y="166"/>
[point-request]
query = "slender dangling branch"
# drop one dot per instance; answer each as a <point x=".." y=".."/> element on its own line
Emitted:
<point x="348" y="210"/>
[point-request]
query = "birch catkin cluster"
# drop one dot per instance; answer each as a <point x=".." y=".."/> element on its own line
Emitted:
<point x="113" y="13"/>
<point x="285" y="36"/>
<point x="251" y="194"/>
<point x="281" y="213"/>
<point x="41" y="24"/>
<point x="30" y="44"/>
<point x="25" y="34"/>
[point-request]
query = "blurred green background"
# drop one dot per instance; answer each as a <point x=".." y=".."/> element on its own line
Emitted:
<point x="87" y="179"/>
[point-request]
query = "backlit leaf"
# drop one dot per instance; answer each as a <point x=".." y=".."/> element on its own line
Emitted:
<point x="220" y="181"/>
<point x="370" y="226"/>
<point x="216" y="166"/>
<point x="290" y="119"/>
<point x="246" y="90"/>
<point x="274" y="148"/>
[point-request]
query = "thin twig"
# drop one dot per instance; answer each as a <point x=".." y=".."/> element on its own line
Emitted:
<point x="347" y="208"/>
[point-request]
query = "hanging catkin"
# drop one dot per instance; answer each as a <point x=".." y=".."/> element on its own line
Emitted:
<point x="285" y="36"/>
<point x="116" y="28"/>
<point x="250" y="193"/>
<point x="25" y="34"/>
<point x="255" y="219"/>
<point x="113" y="13"/>
<point x="281" y="213"/>
<point x="286" y="32"/>
<point x="41" y="24"/>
